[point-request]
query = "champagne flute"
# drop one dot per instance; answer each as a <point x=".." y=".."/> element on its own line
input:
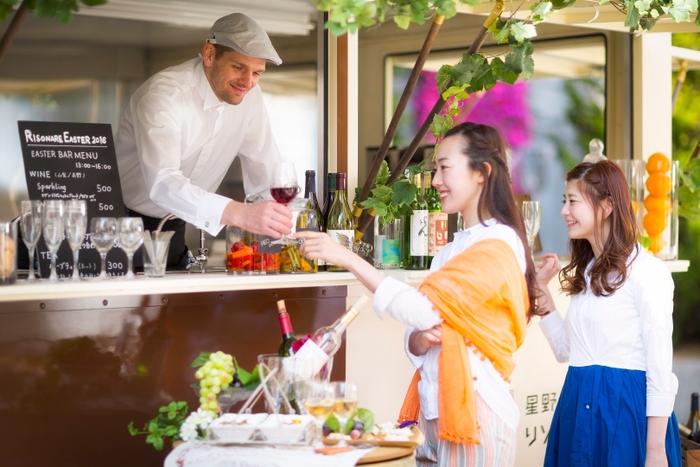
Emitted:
<point x="317" y="397"/>
<point x="130" y="239"/>
<point x="345" y="399"/>
<point x="103" y="233"/>
<point x="76" y="226"/>
<point x="54" y="219"/>
<point x="531" y="218"/>
<point x="30" y="223"/>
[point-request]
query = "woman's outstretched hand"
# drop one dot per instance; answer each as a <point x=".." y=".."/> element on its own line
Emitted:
<point x="318" y="245"/>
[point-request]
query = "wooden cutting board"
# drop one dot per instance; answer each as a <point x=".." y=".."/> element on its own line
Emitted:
<point x="384" y="453"/>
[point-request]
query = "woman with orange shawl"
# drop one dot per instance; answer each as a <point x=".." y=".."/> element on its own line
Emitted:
<point x="469" y="315"/>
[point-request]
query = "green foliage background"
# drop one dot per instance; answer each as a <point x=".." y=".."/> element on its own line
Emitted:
<point x="686" y="134"/>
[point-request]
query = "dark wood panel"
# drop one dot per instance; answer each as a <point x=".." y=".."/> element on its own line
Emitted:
<point x="75" y="372"/>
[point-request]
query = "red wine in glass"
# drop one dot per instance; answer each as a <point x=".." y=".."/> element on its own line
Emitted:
<point x="284" y="194"/>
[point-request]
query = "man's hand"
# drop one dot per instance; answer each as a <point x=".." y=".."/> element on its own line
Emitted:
<point x="265" y="218"/>
<point x="420" y="341"/>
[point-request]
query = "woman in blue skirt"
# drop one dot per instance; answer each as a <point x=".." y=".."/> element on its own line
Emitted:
<point x="616" y="405"/>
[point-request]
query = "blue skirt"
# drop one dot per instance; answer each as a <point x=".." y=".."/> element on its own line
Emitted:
<point x="600" y="421"/>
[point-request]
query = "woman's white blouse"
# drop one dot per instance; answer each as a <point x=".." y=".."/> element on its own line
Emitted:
<point x="630" y="329"/>
<point x="407" y="305"/>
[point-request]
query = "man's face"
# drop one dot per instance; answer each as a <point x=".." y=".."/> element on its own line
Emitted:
<point x="231" y="75"/>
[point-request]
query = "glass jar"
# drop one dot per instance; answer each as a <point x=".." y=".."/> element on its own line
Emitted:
<point x="241" y="248"/>
<point x="388" y="244"/>
<point x="304" y="217"/>
<point x="8" y="252"/>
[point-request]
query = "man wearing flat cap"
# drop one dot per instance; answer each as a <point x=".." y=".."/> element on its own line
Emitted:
<point x="184" y="127"/>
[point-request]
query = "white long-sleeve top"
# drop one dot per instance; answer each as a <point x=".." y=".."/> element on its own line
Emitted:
<point x="176" y="142"/>
<point x="630" y="329"/>
<point x="407" y="305"/>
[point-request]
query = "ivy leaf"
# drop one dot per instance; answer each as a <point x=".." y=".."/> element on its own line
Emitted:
<point x="440" y="125"/>
<point x="443" y="77"/>
<point x="483" y="78"/>
<point x="402" y="20"/>
<point x="541" y="12"/>
<point x="332" y="423"/>
<point x="503" y="72"/>
<point x="373" y="203"/>
<point x="521" y="31"/>
<point x="367" y="418"/>
<point x="462" y="72"/>
<point x="383" y="174"/>
<point x="632" y="17"/>
<point x="383" y="193"/>
<point x="201" y="360"/>
<point x="404" y="192"/>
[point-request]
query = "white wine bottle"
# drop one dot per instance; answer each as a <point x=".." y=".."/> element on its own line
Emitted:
<point x="416" y="232"/>
<point x="323" y="344"/>
<point x="340" y="224"/>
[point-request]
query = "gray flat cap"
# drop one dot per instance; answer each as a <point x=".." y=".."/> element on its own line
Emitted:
<point x="243" y="35"/>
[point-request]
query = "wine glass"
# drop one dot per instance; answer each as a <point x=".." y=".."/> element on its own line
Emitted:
<point x="76" y="226"/>
<point x="284" y="186"/>
<point x="54" y="220"/>
<point x="103" y="232"/>
<point x="30" y="223"/>
<point x="130" y="239"/>
<point x="531" y="217"/>
<point x="345" y="399"/>
<point x="318" y="400"/>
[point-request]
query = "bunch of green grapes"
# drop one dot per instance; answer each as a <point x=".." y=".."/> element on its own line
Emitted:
<point x="216" y="374"/>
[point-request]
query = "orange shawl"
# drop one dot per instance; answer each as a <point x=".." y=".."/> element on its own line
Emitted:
<point x="482" y="296"/>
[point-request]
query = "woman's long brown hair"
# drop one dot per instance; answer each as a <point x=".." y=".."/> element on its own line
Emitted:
<point x="598" y="182"/>
<point x="486" y="154"/>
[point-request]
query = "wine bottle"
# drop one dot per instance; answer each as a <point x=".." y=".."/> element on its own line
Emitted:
<point x="323" y="344"/>
<point x="327" y="203"/>
<point x="694" y="418"/>
<point x="437" y="220"/>
<point x="285" y="349"/>
<point x="416" y="232"/>
<point x="310" y="192"/>
<point x="341" y="225"/>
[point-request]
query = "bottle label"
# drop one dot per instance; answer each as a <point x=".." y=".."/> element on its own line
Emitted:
<point x="344" y="237"/>
<point x="419" y="233"/>
<point x="307" y="362"/>
<point x="437" y="232"/>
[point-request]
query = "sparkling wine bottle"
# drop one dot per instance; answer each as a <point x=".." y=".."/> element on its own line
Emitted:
<point x="340" y="225"/>
<point x="285" y="349"/>
<point x="323" y="344"/>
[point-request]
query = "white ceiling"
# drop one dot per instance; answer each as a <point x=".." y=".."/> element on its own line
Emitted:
<point x="277" y="17"/>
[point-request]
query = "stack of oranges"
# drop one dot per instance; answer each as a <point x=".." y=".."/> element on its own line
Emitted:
<point x="658" y="202"/>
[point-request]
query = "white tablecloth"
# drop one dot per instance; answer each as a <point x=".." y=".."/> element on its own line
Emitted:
<point x="203" y="454"/>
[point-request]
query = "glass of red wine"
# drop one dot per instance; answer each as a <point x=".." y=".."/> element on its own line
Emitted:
<point x="284" y="188"/>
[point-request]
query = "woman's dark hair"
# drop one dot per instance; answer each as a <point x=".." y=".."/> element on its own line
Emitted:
<point x="598" y="182"/>
<point x="486" y="154"/>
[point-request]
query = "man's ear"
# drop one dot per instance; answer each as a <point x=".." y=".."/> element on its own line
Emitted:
<point x="208" y="53"/>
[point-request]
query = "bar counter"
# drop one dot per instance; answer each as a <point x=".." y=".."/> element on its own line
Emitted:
<point x="79" y="361"/>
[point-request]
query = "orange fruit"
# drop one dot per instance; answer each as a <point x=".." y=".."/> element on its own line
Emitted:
<point x="658" y="162"/>
<point x="657" y="244"/>
<point x="659" y="184"/>
<point x="654" y="223"/>
<point x="660" y="204"/>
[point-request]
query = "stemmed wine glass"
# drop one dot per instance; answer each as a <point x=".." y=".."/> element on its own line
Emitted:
<point x="318" y="400"/>
<point x="103" y="233"/>
<point x="30" y="223"/>
<point x="130" y="239"/>
<point x="531" y="217"/>
<point x="54" y="220"/>
<point x="284" y="186"/>
<point x="76" y="226"/>
<point x="345" y="399"/>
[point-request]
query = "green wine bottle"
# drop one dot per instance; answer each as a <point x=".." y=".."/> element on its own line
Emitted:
<point x="416" y="232"/>
<point x="437" y="220"/>
<point x="285" y="349"/>
<point x="327" y="203"/>
<point x="340" y="226"/>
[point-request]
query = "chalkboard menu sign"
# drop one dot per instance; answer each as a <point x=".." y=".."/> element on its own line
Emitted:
<point x="74" y="160"/>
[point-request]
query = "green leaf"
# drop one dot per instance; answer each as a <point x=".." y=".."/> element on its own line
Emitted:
<point x="132" y="429"/>
<point x="443" y="77"/>
<point x="170" y="431"/>
<point x="404" y="192"/>
<point x="383" y="194"/>
<point x="383" y="174"/>
<point x="332" y="423"/>
<point x="158" y="443"/>
<point x="521" y="31"/>
<point x="201" y="360"/>
<point x="367" y="418"/>
<point x="440" y="125"/>
<point x="462" y="72"/>
<point x="349" y="423"/>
